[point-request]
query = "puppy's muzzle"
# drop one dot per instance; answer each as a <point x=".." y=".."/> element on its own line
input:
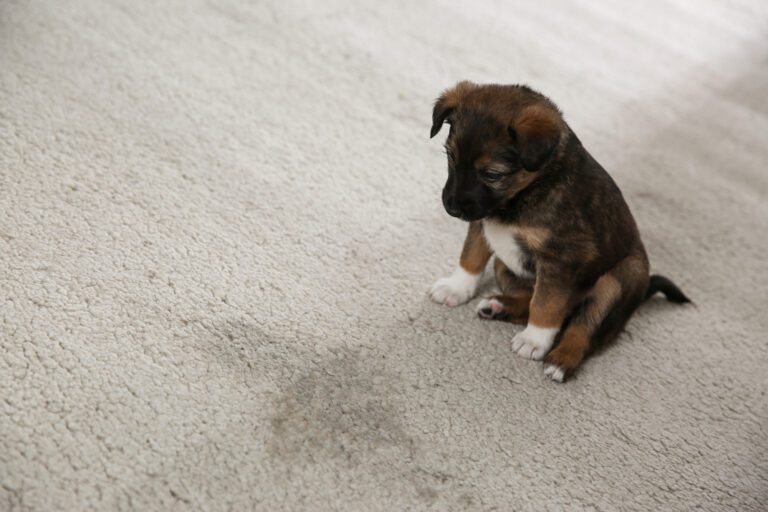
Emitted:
<point x="463" y="208"/>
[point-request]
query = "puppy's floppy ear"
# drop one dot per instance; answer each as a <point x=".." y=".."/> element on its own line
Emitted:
<point x="537" y="133"/>
<point x="447" y="103"/>
<point x="439" y="114"/>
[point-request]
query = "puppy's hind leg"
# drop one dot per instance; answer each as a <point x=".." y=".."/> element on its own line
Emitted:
<point x="600" y="317"/>
<point x="513" y="303"/>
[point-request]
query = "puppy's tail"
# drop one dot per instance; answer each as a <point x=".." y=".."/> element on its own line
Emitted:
<point x="670" y="290"/>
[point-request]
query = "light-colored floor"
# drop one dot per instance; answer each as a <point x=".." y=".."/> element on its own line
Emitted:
<point x="219" y="221"/>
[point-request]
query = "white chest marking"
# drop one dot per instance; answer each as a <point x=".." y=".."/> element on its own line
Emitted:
<point x="502" y="241"/>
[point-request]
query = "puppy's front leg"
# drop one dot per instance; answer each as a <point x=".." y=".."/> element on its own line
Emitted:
<point x="551" y="302"/>
<point x="460" y="286"/>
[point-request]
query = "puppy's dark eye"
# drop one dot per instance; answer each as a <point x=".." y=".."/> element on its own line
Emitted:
<point x="490" y="175"/>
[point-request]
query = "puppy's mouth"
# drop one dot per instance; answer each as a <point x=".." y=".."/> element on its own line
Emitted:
<point x="466" y="216"/>
<point x="472" y="218"/>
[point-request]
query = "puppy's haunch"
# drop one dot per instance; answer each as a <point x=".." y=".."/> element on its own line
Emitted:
<point x="569" y="259"/>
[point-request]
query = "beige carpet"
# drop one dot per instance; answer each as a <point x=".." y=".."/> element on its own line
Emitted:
<point x="219" y="221"/>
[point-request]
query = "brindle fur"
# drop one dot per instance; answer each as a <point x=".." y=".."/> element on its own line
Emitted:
<point x="577" y="233"/>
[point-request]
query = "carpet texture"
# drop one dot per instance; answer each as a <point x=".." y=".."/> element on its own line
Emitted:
<point x="219" y="221"/>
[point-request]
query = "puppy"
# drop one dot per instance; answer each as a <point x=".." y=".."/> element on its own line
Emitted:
<point x="568" y="256"/>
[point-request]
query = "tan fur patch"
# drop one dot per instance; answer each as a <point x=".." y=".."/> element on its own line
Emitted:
<point x="522" y="180"/>
<point x="549" y="307"/>
<point x="475" y="253"/>
<point x="571" y="350"/>
<point x="604" y="294"/>
<point x="516" y="306"/>
<point x="538" y="122"/>
<point x="535" y="238"/>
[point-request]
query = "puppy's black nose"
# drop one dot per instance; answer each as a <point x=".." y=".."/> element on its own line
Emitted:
<point x="453" y="212"/>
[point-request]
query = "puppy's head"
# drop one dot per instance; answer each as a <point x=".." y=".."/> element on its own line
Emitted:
<point x="501" y="139"/>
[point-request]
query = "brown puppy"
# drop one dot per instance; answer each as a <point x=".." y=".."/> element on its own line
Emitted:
<point x="569" y="260"/>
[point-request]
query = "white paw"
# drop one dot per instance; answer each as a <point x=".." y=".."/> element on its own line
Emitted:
<point x="455" y="289"/>
<point x="554" y="372"/>
<point x="533" y="342"/>
<point x="488" y="308"/>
